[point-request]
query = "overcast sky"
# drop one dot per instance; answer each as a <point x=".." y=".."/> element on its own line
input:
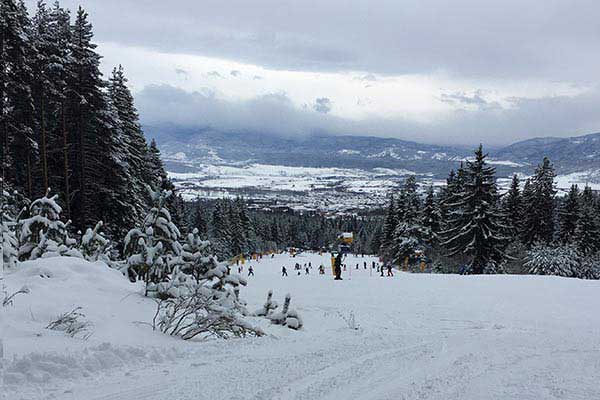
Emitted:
<point x="437" y="71"/>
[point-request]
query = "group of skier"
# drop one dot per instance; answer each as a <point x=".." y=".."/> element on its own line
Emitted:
<point x="384" y="270"/>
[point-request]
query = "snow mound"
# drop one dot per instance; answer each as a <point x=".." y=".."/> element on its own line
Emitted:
<point x="115" y="309"/>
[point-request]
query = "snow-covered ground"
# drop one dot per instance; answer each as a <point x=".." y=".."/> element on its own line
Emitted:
<point x="420" y="336"/>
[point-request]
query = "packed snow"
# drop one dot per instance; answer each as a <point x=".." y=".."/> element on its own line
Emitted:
<point x="410" y="336"/>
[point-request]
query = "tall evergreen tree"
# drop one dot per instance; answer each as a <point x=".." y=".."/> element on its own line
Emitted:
<point x="513" y="207"/>
<point x="18" y="149"/>
<point x="539" y="205"/>
<point x="569" y="216"/>
<point x="431" y="218"/>
<point x="475" y="226"/>
<point x="134" y="141"/>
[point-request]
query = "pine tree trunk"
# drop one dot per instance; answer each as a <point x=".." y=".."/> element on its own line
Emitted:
<point x="66" y="163"/>
<point x="29" y="178"/>
<point x="43" y="145"/>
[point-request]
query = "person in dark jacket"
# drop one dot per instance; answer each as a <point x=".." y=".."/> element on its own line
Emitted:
<point x="284" y="271"/>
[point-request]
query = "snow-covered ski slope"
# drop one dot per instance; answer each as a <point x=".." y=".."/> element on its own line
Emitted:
<point x="420" y="336"/>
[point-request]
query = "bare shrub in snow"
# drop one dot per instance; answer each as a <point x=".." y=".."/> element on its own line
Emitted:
<point x="350" y="320"/>
<point x="73" y="323"/>
<point x="200" y="314"/>
<point x="8" y="297"/>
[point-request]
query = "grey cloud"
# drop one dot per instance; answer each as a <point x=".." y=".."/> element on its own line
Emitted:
<point x="181" y="71"/>
<point x="463" y="99"/>
<point x="275" y="114"/>
<point x="235" y="73"/>
<point x="509" y="39"/>
<point x="366" y="78"/>
<point x="322" y="105"/>
<point x="214" y="74"/>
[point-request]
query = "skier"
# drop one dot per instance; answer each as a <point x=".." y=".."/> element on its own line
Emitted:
<point x="284" y="271"/>
<point x="365" y="264"/>
<point x="306" y="269"/>
<point x="338" y="267"/>
<point x="309" y="265"/>
<point x="389" y="270"/>
<point x="356" y="265"/>
<point x="321" y="270"/>
<point x="250" y="270"/>
<point x="380" y="270"/>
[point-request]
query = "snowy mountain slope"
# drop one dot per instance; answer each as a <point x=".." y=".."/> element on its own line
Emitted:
<point x="421" y="336"/>
<point x="184" y="147"/>
<point x="573" y="154"/>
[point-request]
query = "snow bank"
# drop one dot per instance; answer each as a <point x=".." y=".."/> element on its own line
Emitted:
<point x="118" y="313"/>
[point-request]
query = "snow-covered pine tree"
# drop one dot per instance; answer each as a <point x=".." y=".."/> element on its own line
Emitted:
<point x="222" y="230"/>
<point x="60" y="73"/>
<point x="43" y="234"/>
<point x="408" y="235"/>
<point x="475" y="227"/>
<point x="569" y="215"/>
<point x="431" y="218"/>
<point x="153" y="250"/>
<point x="199" y="218"/>
<point x="197" y="258"/>
<point x="18" y="150"/>
<point x="587" y="231"/>
<point x="94" y="246"/>
<point x="9" y="246"/>
<point x="513" y="207"/>
<point x="389" y="226"/>
<point x="133" y="139"/>
<point x="545" y="259"/>
<point x="157" y="175"/>
<point x="539" y="205"/>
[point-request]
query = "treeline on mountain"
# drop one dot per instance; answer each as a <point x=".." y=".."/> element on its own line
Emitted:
<point x="470" y="227"/>
<point x="63" y="126"/>
<point x="234" y="229"/>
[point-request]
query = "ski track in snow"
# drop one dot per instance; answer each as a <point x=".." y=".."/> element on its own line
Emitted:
<point x="420" y="337"/>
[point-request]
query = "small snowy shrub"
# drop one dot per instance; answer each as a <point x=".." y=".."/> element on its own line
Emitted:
<point x="43" y="234"/>
<point x="94" y="246"/>
<point x="553" y="260"/>
<point x="72" y="323"/>
<point x="269" y="306"/>
<point x="286" y="316"/>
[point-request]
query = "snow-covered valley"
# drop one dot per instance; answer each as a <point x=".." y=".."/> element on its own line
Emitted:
<point x="419" y="336"/>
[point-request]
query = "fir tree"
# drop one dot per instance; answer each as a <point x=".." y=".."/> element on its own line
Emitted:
<point x="539" y="205"/>
<point x="513" y="207"/>
<point x="133" y="140"/>
<point x="569" y="215"/>
<point x="431" y="217"/>
<point x="43" y="234"/>
<point x="586" y="235"/>
<point x="18" y="149"/>
<point x="475" y="224"/>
